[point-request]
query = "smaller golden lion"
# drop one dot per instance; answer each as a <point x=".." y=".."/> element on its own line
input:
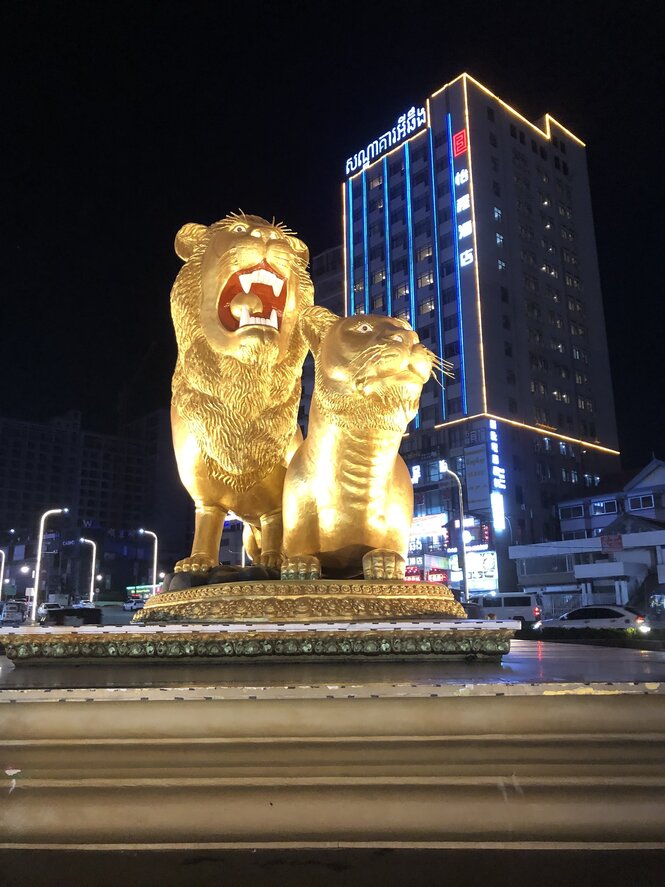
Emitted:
<point x="236" y="386"/>
<point x="348" y="497"/>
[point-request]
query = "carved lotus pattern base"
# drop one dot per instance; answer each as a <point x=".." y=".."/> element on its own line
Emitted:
<point x="472" y="644"/>
<point x="320" y="600"/>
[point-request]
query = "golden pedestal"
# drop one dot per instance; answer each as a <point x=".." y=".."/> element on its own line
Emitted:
<point x="302" y="601"/>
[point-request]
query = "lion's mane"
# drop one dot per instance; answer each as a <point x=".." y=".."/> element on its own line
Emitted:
<point x="242" y="413"/>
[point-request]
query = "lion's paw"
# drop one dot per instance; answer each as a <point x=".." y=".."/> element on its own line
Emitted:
<point x="199" y="562"/>
<point x="382" y="563"/>
<point x="272" y="559"/>
<point x="302" y="566"/>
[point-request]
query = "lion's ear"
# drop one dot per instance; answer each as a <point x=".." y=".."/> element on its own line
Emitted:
<point x="298" y="247"/>
<point x="187" y="238"/>
<point x="315" y="323"/>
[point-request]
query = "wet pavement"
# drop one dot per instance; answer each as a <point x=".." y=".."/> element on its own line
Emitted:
<point x="528" y="663"/>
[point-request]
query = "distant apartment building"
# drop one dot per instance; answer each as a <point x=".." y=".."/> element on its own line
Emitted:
<point x="612" y="548"/>
<point x="475" y="225"/>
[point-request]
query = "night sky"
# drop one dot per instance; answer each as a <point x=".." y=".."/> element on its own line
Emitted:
<point x="121" y="121"/>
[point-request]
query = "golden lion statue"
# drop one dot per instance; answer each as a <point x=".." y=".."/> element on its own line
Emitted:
<point x="236" y="386"/>
<point x="348" y="496"/>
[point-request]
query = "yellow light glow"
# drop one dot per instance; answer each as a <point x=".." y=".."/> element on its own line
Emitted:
<point x="416" y="135"/>
<point x="554" y="434"/>
<point x="547" y="132"/>
<point x="479" y="311"/>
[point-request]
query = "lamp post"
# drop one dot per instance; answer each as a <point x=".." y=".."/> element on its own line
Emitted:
<point x="462" y="544"/>
<point x="42" y="523"/>
<point x="2" y="572"/>
<point x="154" y="558"/>
<point x="92" y="566"/>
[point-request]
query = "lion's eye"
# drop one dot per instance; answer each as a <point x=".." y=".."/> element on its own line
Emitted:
<point x="364" y="328"/>
<point x="239" y="229"/>
<point x="255" y="233"/>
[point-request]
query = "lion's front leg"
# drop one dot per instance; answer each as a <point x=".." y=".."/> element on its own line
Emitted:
<point x="271" y="539"/>
<point x="208" y="526"/>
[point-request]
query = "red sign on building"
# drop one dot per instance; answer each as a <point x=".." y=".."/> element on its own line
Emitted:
<point x="459" y="143"/>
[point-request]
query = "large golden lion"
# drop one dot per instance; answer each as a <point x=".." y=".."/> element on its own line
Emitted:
<point x="236" y="386"/>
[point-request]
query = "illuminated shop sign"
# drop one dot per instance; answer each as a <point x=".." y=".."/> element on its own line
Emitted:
<point x="498" y="480"/>
<point x="406" y="125"/>
<point x="462" y="199"/>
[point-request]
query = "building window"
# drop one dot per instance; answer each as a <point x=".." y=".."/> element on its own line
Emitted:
<point x="636" y="503"/>
<point x="426" y="306"/>
<point x="426" y="279"/>
<point x="379" y="276"/>
<point x="499" y="240"/>
<point x="570" y="512"/>
<point x="490" y="114"/>
<point x="609" y="506"/>
<point x="496" y="189"/>
<point x="505" y="297"/>
<point x="425" y="252"/>
<point x="501" y="265"/>
<point x="498" y="215"/>
<point x="493" y="141"/>
<point x="401" y="290"/>
<point x="507" y="349"/>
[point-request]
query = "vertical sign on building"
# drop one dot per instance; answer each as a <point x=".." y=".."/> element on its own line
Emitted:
<point x="460" y="201"/>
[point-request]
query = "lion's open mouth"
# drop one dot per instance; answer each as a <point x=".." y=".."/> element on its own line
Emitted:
<point x="254" y="296"/>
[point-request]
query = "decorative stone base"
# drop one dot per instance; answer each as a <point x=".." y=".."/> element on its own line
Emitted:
<point x="465" y="639"/>
<point x="320" y="600"/>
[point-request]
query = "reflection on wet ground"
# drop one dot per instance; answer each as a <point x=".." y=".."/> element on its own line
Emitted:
<point x="528" y="662"/>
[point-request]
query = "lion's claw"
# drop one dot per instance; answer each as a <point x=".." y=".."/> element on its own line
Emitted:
<point x="197" y="563"/>
<point x="382" y="563"/>
<point x="302" y="566"/>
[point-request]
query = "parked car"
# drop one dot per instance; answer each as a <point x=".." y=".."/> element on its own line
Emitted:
<point x="594" y="616"/>
<point x="12" y="612"/>
<point x="83" y="604"/>
<point x="521" y="606"/>
<point x="133" y="604"/>
<point x="46" y="608"/>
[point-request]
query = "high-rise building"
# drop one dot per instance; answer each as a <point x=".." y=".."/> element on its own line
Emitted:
<point x="475" y="225"/>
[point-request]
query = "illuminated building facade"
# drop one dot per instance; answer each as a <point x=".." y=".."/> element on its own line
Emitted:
<point x="475" y="225"/>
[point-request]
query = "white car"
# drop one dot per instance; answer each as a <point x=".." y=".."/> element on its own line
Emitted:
<point x="594" y="616"/>
<point x="133" y="604"/>
<point x="44" y="609"/>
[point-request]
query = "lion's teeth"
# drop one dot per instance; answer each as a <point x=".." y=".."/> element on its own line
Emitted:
<point x="272" y="320"/>
<point x="246" y="282"/>
<point x="277" y="285"/>
<point x="244" y="316"/>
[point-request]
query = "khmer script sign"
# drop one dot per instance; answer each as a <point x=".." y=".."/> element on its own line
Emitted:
<point x="406" y="125"/>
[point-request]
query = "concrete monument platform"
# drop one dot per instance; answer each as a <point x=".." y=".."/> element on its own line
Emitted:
<point x="553" y="747"/>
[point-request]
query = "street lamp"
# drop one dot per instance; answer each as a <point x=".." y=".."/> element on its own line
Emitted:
<point x="2" y="572"/>
<point x="462" y="543"/>
<point x="154" y="558"/>
<point x="40" y="542"/>
<point x="92" y="566"/>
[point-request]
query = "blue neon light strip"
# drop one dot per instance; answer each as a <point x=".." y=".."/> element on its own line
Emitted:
<point x="437" y="278"/>
<point x="458" y="281"/>
<point x="409" y="228"/>
<point x="350" y="308"/>
<point x="386" y="222"/>
<point x="365" y="251"/>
